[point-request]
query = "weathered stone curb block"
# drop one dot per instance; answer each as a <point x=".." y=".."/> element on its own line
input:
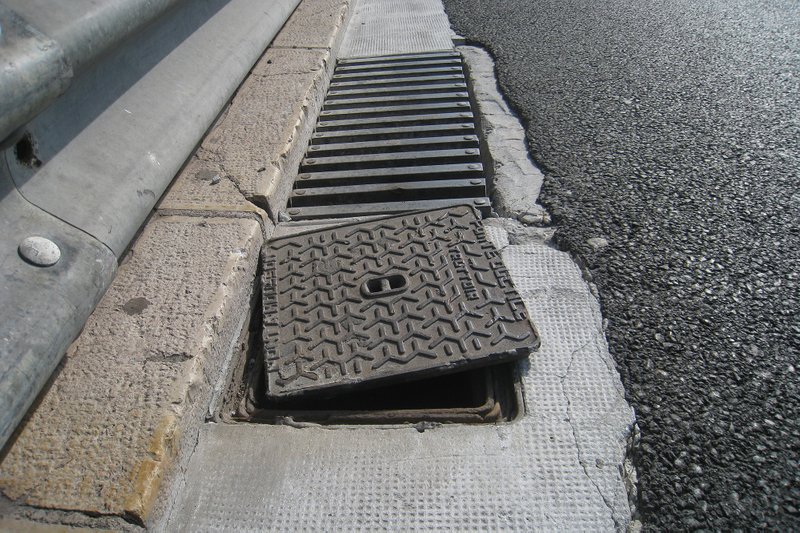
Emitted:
<point x="134" y="386"/>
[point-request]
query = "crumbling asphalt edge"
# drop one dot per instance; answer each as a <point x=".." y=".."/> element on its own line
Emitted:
<point x="515" y="186"/>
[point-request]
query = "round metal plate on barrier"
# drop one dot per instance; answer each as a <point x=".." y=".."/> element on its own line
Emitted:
<point x="39" y="251"/>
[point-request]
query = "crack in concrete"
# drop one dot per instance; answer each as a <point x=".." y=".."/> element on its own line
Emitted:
<point x="581" y="461"/>
<point x="261" y="76"/>
<point x="602" y="348"/>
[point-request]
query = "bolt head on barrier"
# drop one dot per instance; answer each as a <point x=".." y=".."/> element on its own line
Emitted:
<point x="39" y="251"/>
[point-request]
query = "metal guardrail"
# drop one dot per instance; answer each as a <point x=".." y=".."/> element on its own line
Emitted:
<point x="100" y="105"/>
<point x="49" y="42"/>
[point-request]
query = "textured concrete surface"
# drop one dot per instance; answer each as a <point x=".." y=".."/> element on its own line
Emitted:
<point x="132" y="389"/>
<point x="379" y="28"/>
<point x="559" y="466"/>
<point x="668" y="132"/>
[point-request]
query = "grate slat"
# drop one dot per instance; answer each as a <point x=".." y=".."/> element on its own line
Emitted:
<point x="397" y="73"/>
<point x="390" y="65"/>
<point x="395" y="134"/>
<point x="351" y="85"/>
<point x="382" y="175"/>
<point x="382" y="208"/>
<point x="400" y="132"/>
<point x="431" y="88"/>
<point x="395" y="120"/>
<point x="399" y="57"/>
<point x="468" y="155"/>
<point x="391" y="110"/>
<point x="395" y="145"/>
<point x="396" y="100"/>
<point x="381" y="187"/>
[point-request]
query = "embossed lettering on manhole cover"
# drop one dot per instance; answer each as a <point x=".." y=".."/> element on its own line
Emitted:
<point x="398" y="298"/>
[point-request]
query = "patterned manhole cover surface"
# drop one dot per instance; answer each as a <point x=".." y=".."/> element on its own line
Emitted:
<point x="397" y="298"/>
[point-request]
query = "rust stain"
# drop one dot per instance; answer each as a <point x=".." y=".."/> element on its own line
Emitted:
<point x="150" y="473"/>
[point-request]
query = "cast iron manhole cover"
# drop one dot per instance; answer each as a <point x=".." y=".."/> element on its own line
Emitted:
<point x="392" y="299"/>
<point x="396" y="133"/>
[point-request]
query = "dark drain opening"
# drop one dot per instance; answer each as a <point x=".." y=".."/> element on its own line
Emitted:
<point x="483" y="395"/>
<point x="478" y="396"/>
<point x="394" y="192"/>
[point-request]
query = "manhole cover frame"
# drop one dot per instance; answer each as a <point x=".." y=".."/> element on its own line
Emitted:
<point x="281" y="335"/>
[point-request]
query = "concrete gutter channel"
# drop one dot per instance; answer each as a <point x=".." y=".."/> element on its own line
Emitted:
<point x="120" y="439"/>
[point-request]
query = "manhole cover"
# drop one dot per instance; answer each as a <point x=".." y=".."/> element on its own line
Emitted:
<point x="398" y="298"/>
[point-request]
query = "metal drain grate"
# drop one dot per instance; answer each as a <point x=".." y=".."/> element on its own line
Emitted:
<point x="396" y="134"/>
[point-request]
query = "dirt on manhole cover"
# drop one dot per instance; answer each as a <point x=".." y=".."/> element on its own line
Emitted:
<point x="392" y="299"/>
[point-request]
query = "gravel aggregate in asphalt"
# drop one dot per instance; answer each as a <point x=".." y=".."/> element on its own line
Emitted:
<point x="669" y="134"/>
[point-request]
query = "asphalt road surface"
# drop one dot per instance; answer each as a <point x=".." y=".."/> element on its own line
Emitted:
<point x="670" y="129"/>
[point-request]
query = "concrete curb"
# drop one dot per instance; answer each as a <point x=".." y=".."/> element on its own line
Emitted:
<point x="516" y="181"/>
<point x="135" y="385"/>
<point x="109" y="440"/>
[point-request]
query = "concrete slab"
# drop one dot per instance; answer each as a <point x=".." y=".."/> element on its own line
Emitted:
<point x="558" y="467"/>
<point x="379" y="28"/>
<point x="314" y="24"/>
<point x="125" y="405"/>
